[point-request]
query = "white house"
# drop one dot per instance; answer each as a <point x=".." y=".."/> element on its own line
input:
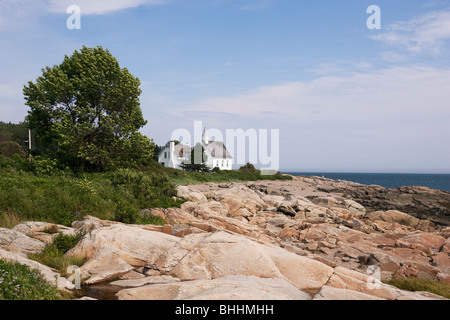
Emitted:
<point x="217" y="154"/>
<point x="173" y="156"/>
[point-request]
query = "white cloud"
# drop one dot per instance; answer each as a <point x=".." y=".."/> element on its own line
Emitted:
<point x="25" y="14"/>
<point x="100" y="6"/>
<point x="390" y="119"/>
<point x="394" y="94"/>
<point x="424" y="34"/>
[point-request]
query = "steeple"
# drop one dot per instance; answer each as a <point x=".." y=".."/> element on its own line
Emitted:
<point x="205" y="137"/>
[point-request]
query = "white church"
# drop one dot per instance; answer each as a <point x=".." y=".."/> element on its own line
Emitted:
<point x="173" y="155"/>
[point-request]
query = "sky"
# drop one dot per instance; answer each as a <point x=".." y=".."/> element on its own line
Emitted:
<point x="344" y="97"/>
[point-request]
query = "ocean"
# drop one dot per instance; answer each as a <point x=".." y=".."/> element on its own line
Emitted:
<point x="388" y="180"/>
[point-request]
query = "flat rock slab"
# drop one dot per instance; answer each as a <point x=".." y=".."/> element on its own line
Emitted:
<point x="224" y="288"/>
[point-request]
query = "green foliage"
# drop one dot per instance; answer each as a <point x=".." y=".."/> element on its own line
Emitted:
<point x="8" y="148"/>
<point x="15" y="162"/>
<point x="421" y="284"/>
<point x="148" y="188"/>
<point x="63" y="199"/>
<point x="64" y="243"/>
<point x="43" y="165"/>
<point x="19" y="282"/>
<point x="15" y="132"/>
<point x="53" y="254"/>
<point x="248" y="168"/>
<point x="119" y="195"/>
<point x="184" y="177"/>
<point x="87" y="110"/>
<point x="156" y="150"/>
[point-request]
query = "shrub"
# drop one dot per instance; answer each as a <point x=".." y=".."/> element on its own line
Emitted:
<point x="8" y="148"/>
<point x="248" y="168"/>
<point x="43" y="166"/>
<point x="15" y="162"/>
<point x="147" y="189"/>
<point x="126" y="213"/>
<point x="53" y="254"/>
<point x="19" y="282"/>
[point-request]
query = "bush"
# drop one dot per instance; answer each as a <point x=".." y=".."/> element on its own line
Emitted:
<point x="19" y="282"/>
<point x="15" y="162"/>
<point x="149" y="190"/>
<point x="248" y="168"/>
<point x="43" y="166"/>
<point x="126" y="213"/>
<point x="8" y="148"/>
<point x="64" y="243"/>
<point x="53" y="254"/>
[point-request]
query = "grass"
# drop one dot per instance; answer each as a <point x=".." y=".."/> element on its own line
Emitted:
<point x="19" y="282"/>
<point x="63" y="199"/>
<point x="180" y="177"/>
<point x="53" y="254"/>
<point x="420" y="284"/>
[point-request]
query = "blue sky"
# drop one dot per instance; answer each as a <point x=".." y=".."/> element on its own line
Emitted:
<point x="344" y="97"/>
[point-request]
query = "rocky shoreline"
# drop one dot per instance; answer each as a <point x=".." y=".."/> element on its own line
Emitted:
<point x="309" y="238"/>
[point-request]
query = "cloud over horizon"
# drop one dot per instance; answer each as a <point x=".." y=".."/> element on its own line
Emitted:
<point x="99" y="7"/>
<point x="413" y="92"/>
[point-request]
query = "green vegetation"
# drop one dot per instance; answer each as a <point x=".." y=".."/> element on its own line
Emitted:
<point x="53" y="254"/>
<point x="86" y="113"/>
<point x="13" y="139"/>
<point x="64" y="197"/>
<point x="19" y="282"/>
<point x="420" y="284"/>
<point x="217" y="176"/>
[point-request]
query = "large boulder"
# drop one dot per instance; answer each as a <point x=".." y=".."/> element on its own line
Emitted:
<point x="195" y="196"/>
<point x="16" y="241"/>
<point x="116" y="248"/>
<point x="233" y="287"/>
<point x="394" y="216"/>
<point x="43" y="231"/>
<point x="427" y="242"/>
<point x="221" y="253"/>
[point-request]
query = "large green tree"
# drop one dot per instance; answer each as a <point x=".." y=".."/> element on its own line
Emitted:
<point x="88" y="109"/>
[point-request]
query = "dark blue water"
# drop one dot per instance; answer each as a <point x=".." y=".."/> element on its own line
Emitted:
<point x="388" y="180"/>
